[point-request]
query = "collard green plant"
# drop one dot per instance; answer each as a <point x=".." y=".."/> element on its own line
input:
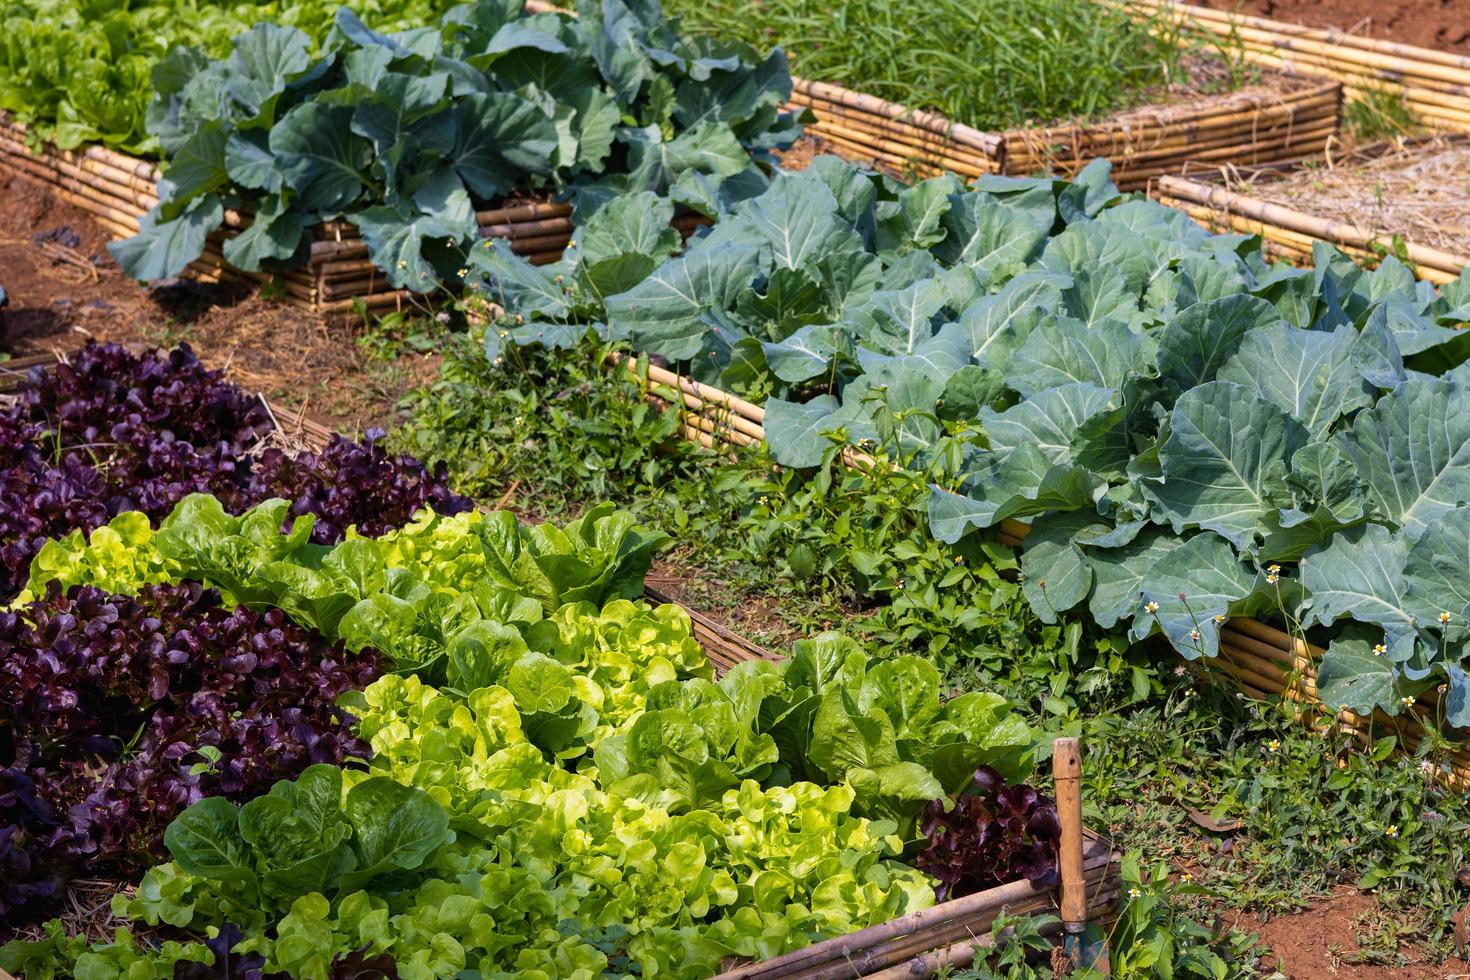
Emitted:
<point x="405" y="134"/>
<point x="1176" y="418"/>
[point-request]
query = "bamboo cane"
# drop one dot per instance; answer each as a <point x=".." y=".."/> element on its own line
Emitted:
<point x="1235" y="147"/>
<point x="1407" y="51"/>
<point x="964" y="135"/>
<point x="1329" y="230"/>
<point x="1105" y="141"/>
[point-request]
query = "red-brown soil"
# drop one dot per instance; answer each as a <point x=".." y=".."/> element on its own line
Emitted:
<point x="1441" y="24"/>
<point x="68" y="289"/>
<point x="1331" y="941"/>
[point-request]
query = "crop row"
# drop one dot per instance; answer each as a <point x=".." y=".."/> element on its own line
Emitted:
<point x="442" y="742"/>
<point x="1191" y="432"/>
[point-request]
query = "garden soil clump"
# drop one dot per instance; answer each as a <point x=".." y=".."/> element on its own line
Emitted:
<point x="1441" y="24"/>
<point x="1323" y="943"/>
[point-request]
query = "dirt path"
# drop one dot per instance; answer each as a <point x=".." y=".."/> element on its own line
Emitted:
<point x="64" y="287"/>
<point x="1335" y="939"/>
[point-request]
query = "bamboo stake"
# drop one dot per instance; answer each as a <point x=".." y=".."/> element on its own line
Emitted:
<point x="1066" y="769"/>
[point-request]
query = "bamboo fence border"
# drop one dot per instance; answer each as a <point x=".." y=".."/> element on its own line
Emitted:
<point x="1292" y="233"/>
<point x="915" y="945"/>
<point x="1260" y="125"/>
<point x="117" y="190"/>
<point x="1435" y="85"/>
<point x="1261" y="660"/>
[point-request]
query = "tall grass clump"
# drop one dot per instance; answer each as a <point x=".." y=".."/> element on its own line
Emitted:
<point x="991" y="64"/>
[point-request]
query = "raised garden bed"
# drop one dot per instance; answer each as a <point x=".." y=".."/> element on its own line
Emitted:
<point x="1434" y="85"/>
<point x="1283" y="117"/>
<point x="918" y="944"/>
<point x="118" y="190"/>
<point x="1264" y="661"/>
<point x="1405" y="198"/>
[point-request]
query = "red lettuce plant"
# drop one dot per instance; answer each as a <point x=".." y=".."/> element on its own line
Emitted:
<point x="112" y="431"/>
<point x="991" y="834"/>
<point x="122" y="711"/>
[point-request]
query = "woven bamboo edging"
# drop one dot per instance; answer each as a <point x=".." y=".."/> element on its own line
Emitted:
<point x="1285" y="117"/>
<point x="117" y="190"/>
<point x="1263" y="661"/>
<point x="1292" y="233"/>
<point x="1435" y="85"/>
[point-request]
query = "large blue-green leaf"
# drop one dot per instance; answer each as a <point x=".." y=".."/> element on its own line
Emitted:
<point x="499" y="138"/>
<point x="799" y="220"/>
<point x="265" y="60"/>
<point x="274" y="235"/>
<point x="914" y="220"/>
<point x="1307" y="373"/>
<point x="1061" y="351"/>
<point x="1190" y="591"/>
<point x="898" y="321"/>
<point x="794" y="431"/>
<point x="634" y="223"/>
<point x="1056" y="573"/>
<point x="999" y="324"/>
<point x="1413" y="451"/>
<point x="1047" y="421"/>
<point x="654" y="163"/>
<point x="163" y="249"/>
<point x="1354" y="675"/>
<point x="1225" y="461"/>
<point x="1201" y="339"/>
<point x="1094" y="245"/>
<point x="990" y="235"/>
<point x="1022" y="484"/>
<point x="322" y="161"/>
<point x="665" y="314"/>
<point x="1360" y="575"/>
<point x="198" y="167"/>
<point x="404" y="106"/>
<point x="395" y="239"/>
<point x="1437" y="571"/>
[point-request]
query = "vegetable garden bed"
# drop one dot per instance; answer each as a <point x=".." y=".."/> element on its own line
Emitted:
<point x="1127" y="376"/>
<point x="1434" y="85"/>
<point x="1263" y="661"/>
<point x="362" y="175"/>
<point x="1401" y="198"/>
<point x="118" y="190"/>
<point x="918" y="943"/>
<point x="1283" y="117"/>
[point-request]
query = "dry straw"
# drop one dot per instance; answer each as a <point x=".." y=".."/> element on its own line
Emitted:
<point x="1407" y="197"/>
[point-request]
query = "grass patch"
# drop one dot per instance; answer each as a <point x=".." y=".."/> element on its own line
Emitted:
<point x="992" y="65"/>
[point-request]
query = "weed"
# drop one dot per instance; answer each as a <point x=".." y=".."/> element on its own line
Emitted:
<point x="1378" y="114"/>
